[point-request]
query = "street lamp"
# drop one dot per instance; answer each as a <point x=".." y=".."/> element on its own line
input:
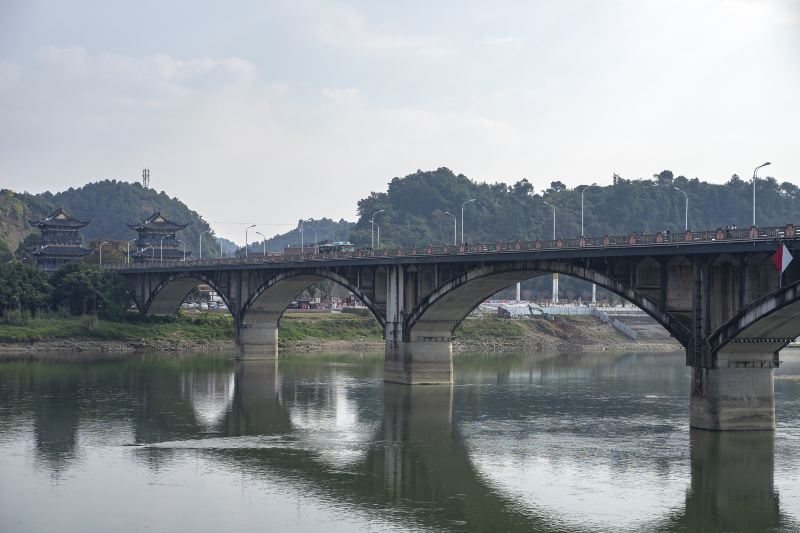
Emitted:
<point x="555" y="274"/>
<point x="183" y="249"/>
<point x="302" y="238"/>
<point x="686" y="209"/>
<point x="128" y="252"/>
<point x="246" y="242"/>
<point x="585" y="188"/>
<point x="554" y="218"/>
<point x="462" y="217"/>
<point x="201" y="243"/>
<point x="455" y="226"/>
<point x="755" y="172"/>
<point x="264" y="240"/>
<point x="161" y="248"/>
<point x="316" y="238"/>
<point x="101" y="253"/>
<point x="372" y="232"/>
<point x="379" y="234"/>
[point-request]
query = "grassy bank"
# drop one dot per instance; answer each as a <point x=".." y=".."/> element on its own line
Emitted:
<point x="203" y="327"/>
<point x="306" y="331"/>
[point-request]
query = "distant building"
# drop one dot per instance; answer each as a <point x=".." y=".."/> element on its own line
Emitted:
<point x="61" y="240"/>
<point x="158" y="240"/>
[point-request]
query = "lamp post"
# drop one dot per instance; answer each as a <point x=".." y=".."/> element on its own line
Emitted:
<point x="372" y="222"/>
<point x="455" y="227"/>
<point x="264" y="240"/>
<point x="201" y="243"/>
<point x="379" y="234"/>
<point x="555" y="274"/>
<point x="755" y="174"/>
<point x="316" y="238"/>
<point x="161" y="248"/>
<point x="302" y="238"/>
<point x="101" y="253"/>
<point x="183" y="249"/>
<point x="462" y="217"/>
<point x="554" y="218"/>
<point x="128" y="252"/>
<point x="585" y="188"/>
<point x="246" y="242"/>
<point x="686" y="209"/>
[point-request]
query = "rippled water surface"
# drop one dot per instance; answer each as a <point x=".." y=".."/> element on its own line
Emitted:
<point x="545" y="443"/>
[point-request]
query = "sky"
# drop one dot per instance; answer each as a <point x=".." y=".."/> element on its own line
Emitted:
<point x="268" y="112"/>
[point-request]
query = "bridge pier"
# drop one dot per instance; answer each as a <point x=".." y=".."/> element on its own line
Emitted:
<point x="257" y="338"/>
<point x="730" y="398"/>
<point x="418" y="362"/>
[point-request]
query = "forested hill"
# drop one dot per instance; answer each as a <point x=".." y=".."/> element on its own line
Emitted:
<point x="415" y="207"/>
<point x="110" y="205"/>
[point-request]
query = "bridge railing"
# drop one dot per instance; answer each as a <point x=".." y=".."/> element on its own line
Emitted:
<point x="634" y="239"/>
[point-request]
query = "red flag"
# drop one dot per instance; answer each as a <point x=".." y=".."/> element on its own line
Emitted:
<point x="782" y="257"/>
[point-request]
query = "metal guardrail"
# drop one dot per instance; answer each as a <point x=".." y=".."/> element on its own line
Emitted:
<point x="618" y="241"/>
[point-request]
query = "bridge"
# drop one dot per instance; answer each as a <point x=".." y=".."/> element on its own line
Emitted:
<point x="717" y="292"/>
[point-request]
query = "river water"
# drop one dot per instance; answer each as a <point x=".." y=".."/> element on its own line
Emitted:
<point x="320" y="443"/>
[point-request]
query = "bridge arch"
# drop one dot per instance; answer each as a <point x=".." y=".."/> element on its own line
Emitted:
<point x="438" y="314"/>
<point x="276" y="294"/>
<point x="764" y="327"/>
<point x="165" y="297"/>
<point x="261" y="312"/>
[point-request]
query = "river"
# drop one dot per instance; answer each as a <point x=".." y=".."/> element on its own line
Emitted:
<point x="548" y="442"/>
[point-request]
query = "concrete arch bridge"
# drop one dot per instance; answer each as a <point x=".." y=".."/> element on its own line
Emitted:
<point x="717" y="292"/>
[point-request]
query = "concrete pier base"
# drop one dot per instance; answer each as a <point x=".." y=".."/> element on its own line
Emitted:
<point x="257" y="341"/>
<point x="725" y="399"/>
<point x="418" y="362"/>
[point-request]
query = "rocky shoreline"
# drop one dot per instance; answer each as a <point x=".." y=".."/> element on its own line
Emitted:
<point x="311" y="346"/>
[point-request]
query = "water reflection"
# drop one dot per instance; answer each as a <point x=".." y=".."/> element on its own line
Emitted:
<point x="732" y="484"/>
<point x="519" y="444"/>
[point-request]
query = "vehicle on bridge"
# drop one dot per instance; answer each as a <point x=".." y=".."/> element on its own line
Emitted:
<point x="336" y="246"/>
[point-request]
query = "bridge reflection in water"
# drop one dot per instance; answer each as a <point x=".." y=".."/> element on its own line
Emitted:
<point x="404" y="454"/>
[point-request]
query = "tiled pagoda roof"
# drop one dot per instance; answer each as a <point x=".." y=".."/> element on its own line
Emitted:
<point x="59" y="219"/>
<point x="158" y="222"/>
<point x="63" y="251"/>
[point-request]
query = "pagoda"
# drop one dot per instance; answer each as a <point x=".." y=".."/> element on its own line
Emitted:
<point x="60" y="242"/>
<point x="157" y="240"/>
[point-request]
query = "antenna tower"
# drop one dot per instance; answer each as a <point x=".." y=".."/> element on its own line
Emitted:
<point x="146" y="177"/>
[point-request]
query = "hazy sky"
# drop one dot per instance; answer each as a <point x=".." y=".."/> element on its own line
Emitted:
<point x="268" y="112"/>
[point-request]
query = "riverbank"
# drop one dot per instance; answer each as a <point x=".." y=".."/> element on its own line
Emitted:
<point x="195" y="332"/>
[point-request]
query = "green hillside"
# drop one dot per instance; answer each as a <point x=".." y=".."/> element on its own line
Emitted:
<point x="110" y="205"/>
<point x="415" y="208"/>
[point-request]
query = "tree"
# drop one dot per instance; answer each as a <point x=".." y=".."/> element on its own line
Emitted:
<point x="5" y="252"/>
<point x="23" y="288"/>
<point x="85" y="289"/>
<point x="664" y="178"/>
<point x="523" y="188"/>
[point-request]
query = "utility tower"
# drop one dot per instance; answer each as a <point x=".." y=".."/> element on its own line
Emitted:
<point x="146" y="177"/>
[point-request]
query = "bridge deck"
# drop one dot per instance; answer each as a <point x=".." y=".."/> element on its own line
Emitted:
<point x="656" y="244"/>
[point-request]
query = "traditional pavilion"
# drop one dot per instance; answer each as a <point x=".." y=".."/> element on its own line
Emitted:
<point x="61" y="240"/>
<point x="157" y="241"/>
